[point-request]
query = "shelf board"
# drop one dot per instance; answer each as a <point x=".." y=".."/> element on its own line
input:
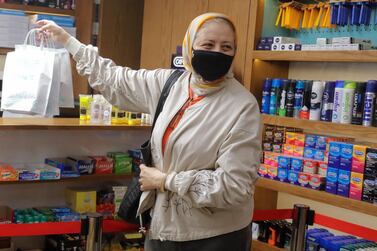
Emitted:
<point x="4" y="51"/>
<point x="61" y="123"/>
<point x="354" y="131"/>
<point x="109" y="226"/>
<point x="317" y="56"/>
<point x="91" y="177"/>
<point x="261" y="246"/>
<point x="37" y="9"/>
<point x="320" y="196"/>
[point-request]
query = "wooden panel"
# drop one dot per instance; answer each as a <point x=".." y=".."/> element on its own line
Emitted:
<point x="120" y="31"/>
<point x="261" y="246"/>
<point x="265" y="198"/>
<point x="4" y="51"/>
<point x="36" y="9"/>
<point x="238" y="11"/>
<point x="157" y="30"/>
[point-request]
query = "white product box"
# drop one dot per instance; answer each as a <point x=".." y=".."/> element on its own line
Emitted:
<point x="349" y="40"/>
<point x="275" y="47"/>
<point x="286" y="40"/>
<point x="322" y="41"/>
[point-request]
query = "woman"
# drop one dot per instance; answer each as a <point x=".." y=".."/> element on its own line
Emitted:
<point x="206" y="142"/>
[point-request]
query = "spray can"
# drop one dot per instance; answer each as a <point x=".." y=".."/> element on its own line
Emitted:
<point x="347" y="102"/>
<point x="282" y="105"/>
<point x="290" y="98"/>
<point x="275" y="92"/>
<point x="299" y="93"/>
<point x="328" y="101"/>
<point x="304" y="113"/>
<point x="369" y="102"/>
<point x="338" y="96"/>
<point x="266" y="96"/>
<point x="315" y="101"/>
<point x="358" y="104"/>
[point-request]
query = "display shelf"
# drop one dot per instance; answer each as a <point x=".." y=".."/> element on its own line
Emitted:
<point x="4" y="51"/>
<point x="37" y="9"/>
<point x="320" y="196"/>
<point x="92" y="177"/>
<point x="261" y="246"/>
<point x="109" y="226"/>
<point x="317" y="56"/>
<point x="61" y="123"/>
<point x="355" y="131"/>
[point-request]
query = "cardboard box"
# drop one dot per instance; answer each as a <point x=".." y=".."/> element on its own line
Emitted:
<point x="81" y="200"/>
<point x="303" y="179"/>
<point x="284" y="162"/>
<point x="263" y="170"/>
<point x="85" y="165"/>
<point x="293" y="177"/>
<point x="334" y="155"/>
<point x="310" y="141"/>
<point x="282" y="174"/>
<point x="272" y="172"/>
<point x="358" y="158"/>
<point x="102" y="164"/>
<point x="370" y="169"/>
<point x="296" y="164"/>
<point x="369" y="186"/>
<point x="356" y="185"/>
<point x="332" y="180"/>
<point x="288" y="149"/>
<point x="346" y="151"/>
<point x="285" y="40"/>
<point x="298" y="151"/>
<point x="8" y="173"/>
<point x="344" y="178"/>
<point x="317" y="182"/>
<point x="309" y="152"/>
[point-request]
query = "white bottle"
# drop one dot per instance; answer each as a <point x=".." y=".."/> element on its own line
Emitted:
<point x="316" y="100"/>
<point x="106" y="112"/>
<point x="96" y="110"/>
<point x="338" y="97"/>
<point x="347" y="102"/>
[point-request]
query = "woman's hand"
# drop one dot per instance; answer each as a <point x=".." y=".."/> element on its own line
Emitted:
<point x="151" y="178"/>
<point x="50" y="28"/>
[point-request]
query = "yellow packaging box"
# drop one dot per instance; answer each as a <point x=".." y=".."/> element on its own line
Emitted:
<point x="81" y="200"/>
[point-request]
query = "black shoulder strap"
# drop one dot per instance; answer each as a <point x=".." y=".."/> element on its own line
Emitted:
<point x="165" y="93"/>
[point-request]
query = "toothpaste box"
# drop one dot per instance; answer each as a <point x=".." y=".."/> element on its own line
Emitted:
<point x="310" y="166"/>
<point x="319" y="155"/>
<point x="288" y="149"/>
<point x="346" y="151"/>
<point x="300" y="139"/>
<point x="321" y="143"/>
<point x="368" y="188"/>
<point x="310" y="141"/>
<point x="317" y="182"/>
<point x="296" y="164"/>
<point x="332" y="180"/>
<point x="284" y="162"/>
<point x="322" y="168"/>
<point x="263" y="170"/>
<point x="282" y="174"/>
<point x="358" y="158"/>
<point x="344" y="178"/>
<point x="293" y="177"/>
<point x="334" y="155"/>
<point x="356" y="185"/>
<point x="371" y="162"/>
<point x="303" y="179"/>
<point x="298" y="151"/>
<point x="309" y="152"/>
<point x="272" y="172"/>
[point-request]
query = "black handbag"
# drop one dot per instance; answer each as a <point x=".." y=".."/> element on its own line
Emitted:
<point x="130" y="203"/>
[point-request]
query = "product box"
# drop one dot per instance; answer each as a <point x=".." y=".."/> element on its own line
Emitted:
<point x="8" y="173"/>
<point x="317" y="182"/>
<point x="310" y="141"/>
<point x="293" y="177"/>
<point x="319" y="155"/>
<point x="298" y="151"/>
<point x="284" y="162"/>
<point x="81" y="200"/>
<point x="321" y="143"/>
<point x="371" y="162"/>
<point x="344" y="178"/>
<point x="334" y="155"/>
<point x="346" y="151"/>
<point x="66" y="170"/>
<point x="6" y="215"/>
<point x="349" y="40"/>
<point x="299" y="139"/>
<point x="27" y="173"/>
<point x="263" y="170"/>
<point x="358" y="158"/>
<point x="303" y="179"/>
<point x="266" y="40"/>
<point x="284" y="40"/>
<point x="290" y="47"/>
<point x="310" y="166"/>
<point x="275" y="47"/>
<point x="277" y="147"/>
<point x="122" y="162"/>
<point x="288" y="149"/>
<point x="282" y="174"/>
<point x="309" y="152"/>
<point x="85" y="165"/>
<point x="322" y="41"/>
<point x="332" y="180"/>
<point x="356" y="185"/>
<point x="368" y="188"/>
<point x="290" y="138"/>
<point x="272" y="172"/>
<point x="271" y="159"/>
<point x="322" y="168"/>
<point x="267" y="146"/>
<point x="102" y="164"/>
<point x="268" y="134"/>
<point x="296" y="164"/>
<point x="279" y="135"/>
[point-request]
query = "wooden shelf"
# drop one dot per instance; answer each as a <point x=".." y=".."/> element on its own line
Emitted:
<point x="4" y="51"/>
<point x="328" y="128"/>
<point x="261" y="246"/>
<point x="60" y="123"/>
<point x="37" y="9"/>
<point x="320" y="196"/>
<point x="91" y="177"/>
<point x="317" y="56"/>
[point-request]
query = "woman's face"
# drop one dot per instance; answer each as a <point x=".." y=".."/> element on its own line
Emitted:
<point x="215" y="36"/>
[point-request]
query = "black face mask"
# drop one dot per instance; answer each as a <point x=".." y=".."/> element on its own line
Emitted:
<point x="211" y="65"/>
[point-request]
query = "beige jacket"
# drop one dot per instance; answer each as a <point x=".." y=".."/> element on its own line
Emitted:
<point x="211" y="158"/>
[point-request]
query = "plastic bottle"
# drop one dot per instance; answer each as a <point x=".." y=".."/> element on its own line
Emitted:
<point x="266" y="96"/>
<point x="369" y="102"/>
<point x="347" y="102"/>
<point x="275" y="90"/>
<point x="299" y="94"/>
<point x="106" y="112"/>
<point x="338" y="96"/>
<point x="358" y="104"/>
<point x="96" y="109"/>
<point x="304" y="113"/>
<point x="315" y="101"/>
<point x="290" y="98"/>
<point x="282" y="104"/>
<point x="327" y="101"/>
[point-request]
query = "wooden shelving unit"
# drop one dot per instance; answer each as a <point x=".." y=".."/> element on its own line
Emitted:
<point x="37" y="9"/>
<point x="4" y="51"/>
<point x="320" y="196"/>
<point x="317" y="56"/>
<point x="261" y="246"/>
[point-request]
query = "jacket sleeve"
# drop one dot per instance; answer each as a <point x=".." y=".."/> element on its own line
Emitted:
<point x="134" y="90"/>
<point x="231" y="183"/>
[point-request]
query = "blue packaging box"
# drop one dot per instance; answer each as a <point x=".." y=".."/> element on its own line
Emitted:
<point x="319" y="155"/>
<point x="346" y="151"/>
<point x="321" y="143"/>
<point x="293" y="177"/>
<point x="310" y="140"/>
<point x="284" y="162"/>
<point x="344" y="178"/>
<point x="283" y="174"/>
<point x="332" y="180"/>
<point x="309" y="152"/>
<point x="334" y="155"/>
<point x="296" y="164"/>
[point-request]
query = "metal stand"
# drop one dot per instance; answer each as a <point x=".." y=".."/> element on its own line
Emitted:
<point x="91" y="227"/>
<point x="302" y="217"/>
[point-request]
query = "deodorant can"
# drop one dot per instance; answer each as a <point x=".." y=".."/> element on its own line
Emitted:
<point x="290" y="98"/>
<point x="347" y="102"/>
<point x="282" y="105"/>
<point x="266" y="93"/>
<point x="370" y="97"/>
<point x="304" y="113"/>
<point x="338" y="96"/>
<point x="299" y="94"/>
<point x="315" y="101"/>
<point x="275" y="92"/>
<point x="328" y="101"/>
<point x="358" y="104"/>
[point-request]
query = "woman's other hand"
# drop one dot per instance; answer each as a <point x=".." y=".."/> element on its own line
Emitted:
<point x="151" y="178"/>
<point x="50" y="28"/>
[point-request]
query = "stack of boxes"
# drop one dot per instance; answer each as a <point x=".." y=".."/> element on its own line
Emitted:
<point x="279" y="43"/>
